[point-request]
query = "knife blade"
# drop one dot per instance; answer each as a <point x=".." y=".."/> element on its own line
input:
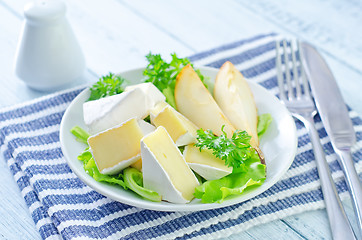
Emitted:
<point x="335" y="118"/>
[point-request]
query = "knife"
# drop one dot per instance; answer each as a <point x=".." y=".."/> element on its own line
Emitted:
<point x="335" y="118"/>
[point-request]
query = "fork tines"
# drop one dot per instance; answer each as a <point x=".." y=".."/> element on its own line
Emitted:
<point x="289" y="62"/>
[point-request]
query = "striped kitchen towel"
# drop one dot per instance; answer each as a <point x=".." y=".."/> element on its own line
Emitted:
<point x="62" y="206"/>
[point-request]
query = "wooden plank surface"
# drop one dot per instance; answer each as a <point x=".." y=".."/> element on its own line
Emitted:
<point x="116" y="35"/>
<point x="334" y="26"/>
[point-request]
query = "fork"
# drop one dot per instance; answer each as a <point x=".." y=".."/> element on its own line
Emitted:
<point x="295" y="95"/>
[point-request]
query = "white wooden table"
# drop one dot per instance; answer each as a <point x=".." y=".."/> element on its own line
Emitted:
<point x="116" y="35"/>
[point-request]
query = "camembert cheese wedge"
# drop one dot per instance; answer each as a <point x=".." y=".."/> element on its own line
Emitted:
<point x="146" y="129"/>
<point x="164" y="168"/>
<point x="117" y="147"/>
<point x="151" y="92"/>
<point x="136" y="101"/>
<point x="181" y="130"/>
<point x="205" y="163"/>
<point x="157" y="109"/>
<point x="105" y="113"/>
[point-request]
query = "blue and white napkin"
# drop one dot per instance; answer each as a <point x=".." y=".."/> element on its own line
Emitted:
<point x="62" y="206"/>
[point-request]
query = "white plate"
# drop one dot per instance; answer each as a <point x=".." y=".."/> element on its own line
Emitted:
<point x="279" y="146"/>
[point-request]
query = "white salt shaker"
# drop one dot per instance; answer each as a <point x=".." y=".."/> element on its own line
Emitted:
<point x="48" y="55"/>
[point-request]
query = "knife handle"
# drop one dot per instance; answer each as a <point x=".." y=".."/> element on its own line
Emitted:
<point x="340" y="227"/>
<point x="353" y="183"/>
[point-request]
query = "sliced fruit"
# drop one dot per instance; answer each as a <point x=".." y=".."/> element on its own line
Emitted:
<point x="232" y="93"/>
<point x="195" y="102"/>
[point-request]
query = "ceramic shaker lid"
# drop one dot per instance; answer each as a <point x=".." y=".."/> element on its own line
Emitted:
<point x="44" y="10"/>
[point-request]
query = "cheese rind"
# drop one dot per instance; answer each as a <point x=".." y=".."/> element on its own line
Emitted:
<point x="102" y="114"/>
<point x="122" y="165"/>
<point x="160" y="182"/>
<point x="157" y="109"/>
<point x="205" y="163"/>
<point x="164" y="168"/>
<point x="151" y="92"/>
<point x="208" y="172"/>
<point x="117" y="147"/>
<point x="146" y="129"/>
<point x="181" y="130"/>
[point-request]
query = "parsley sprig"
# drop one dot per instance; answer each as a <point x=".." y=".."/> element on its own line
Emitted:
<point x="163" y="74"/>
<point x="234" y="151"/>
<point x="159" y="72"/>
<point x="108" y="85"/>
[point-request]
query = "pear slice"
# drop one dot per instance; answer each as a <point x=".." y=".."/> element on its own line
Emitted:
<point x="232" y="93"/>
<point x="195" y="102"/>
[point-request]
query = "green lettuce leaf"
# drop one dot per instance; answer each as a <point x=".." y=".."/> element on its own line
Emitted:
<point x="264" y="121"/>
<point x="91" y="169"/>
<point x="131" y="178"/>
<point x="169" y="93"/>
<point x="234" y="183"/>
<point x="134" y="181"/>
<point x="80" y="134"/>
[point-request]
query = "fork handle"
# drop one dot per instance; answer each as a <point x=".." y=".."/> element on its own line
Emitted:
<point x="353" y="183"/>
<point x="341" y="229"/>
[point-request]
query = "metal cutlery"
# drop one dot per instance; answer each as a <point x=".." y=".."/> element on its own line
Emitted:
<point x="335" y="118"/>
<point x="296" y="96"/>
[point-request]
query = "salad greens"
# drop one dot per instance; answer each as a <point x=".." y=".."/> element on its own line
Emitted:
<point x="234" y="183"/>
<point x="134" y="180"/>
<point x="108" y="85"/>
<point x="264" y="120"/>
<point x="238" y="154"/>
<point x="163" y="75"/>
<point x="91" y="169"/>
<point x="130" y="178"/>
<point x="80" y="134"/>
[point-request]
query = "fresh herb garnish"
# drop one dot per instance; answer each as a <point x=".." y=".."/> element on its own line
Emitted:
<point x="234" y="151"/>
<point x="237" y="153"/>
<point x="108" y="85"/>
<point x="163" y="75"/>
<point x="147" y="119"/>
